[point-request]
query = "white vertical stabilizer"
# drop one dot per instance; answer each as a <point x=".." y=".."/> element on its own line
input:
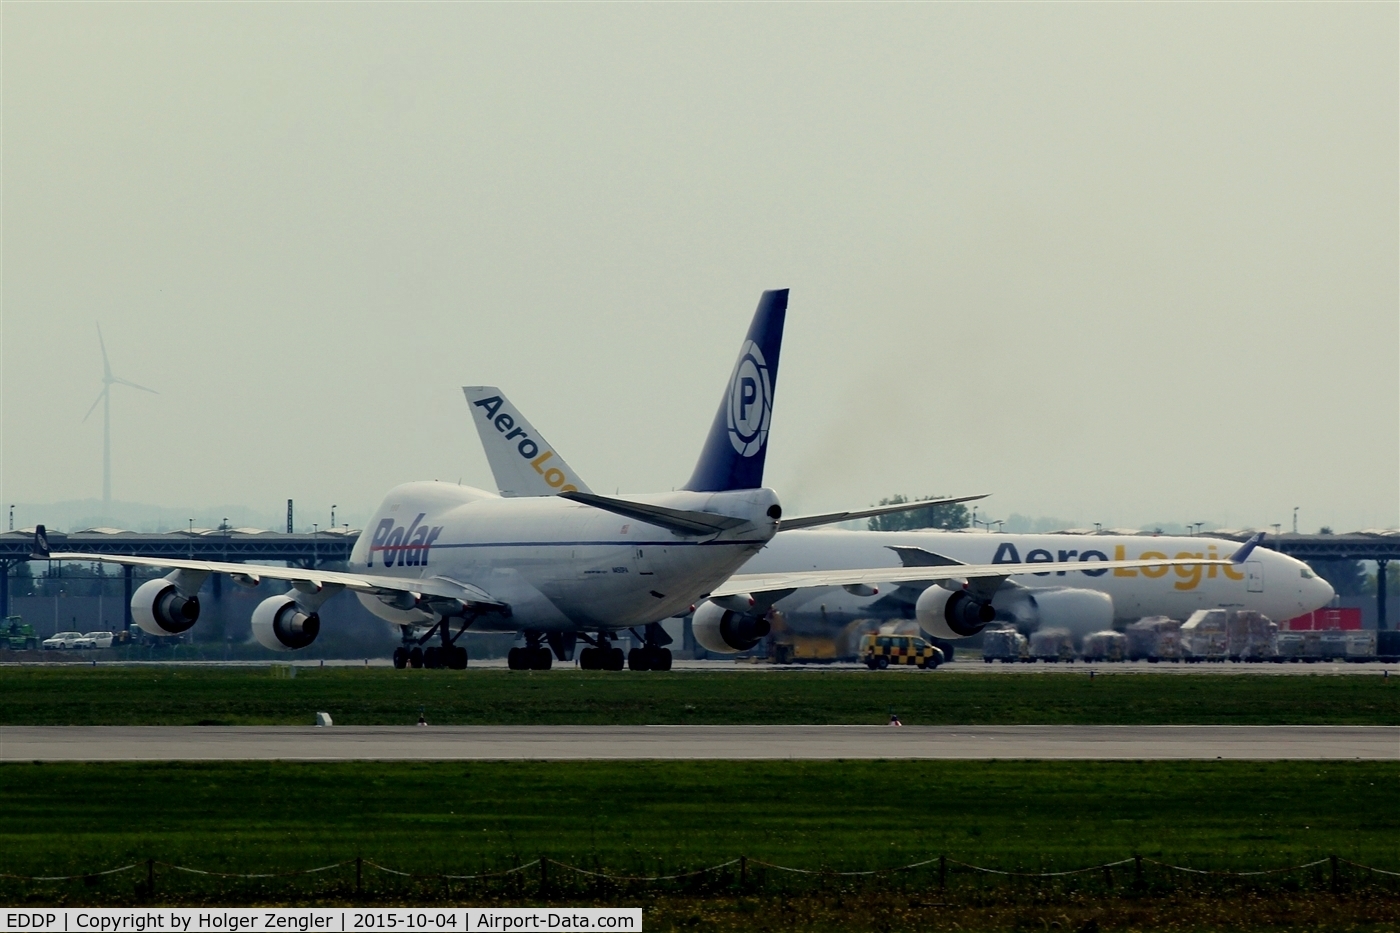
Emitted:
<point x="522" y="461"/>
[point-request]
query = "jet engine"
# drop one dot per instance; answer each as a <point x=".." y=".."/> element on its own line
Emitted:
<point x="280" y="624"/>
<point x="1081" y="612"/>
<point x="727" y="631"/>
<point x="159" y="608"/>
<point x="950" y="614"/>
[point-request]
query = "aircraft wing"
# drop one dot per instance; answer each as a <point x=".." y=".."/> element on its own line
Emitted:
<point x="379" y="585"/>
<point x="753" y="583"/>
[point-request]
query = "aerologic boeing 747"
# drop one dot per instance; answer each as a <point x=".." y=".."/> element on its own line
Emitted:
<point x="1087" y="589"/>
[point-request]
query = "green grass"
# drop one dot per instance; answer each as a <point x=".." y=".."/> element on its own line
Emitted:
<point x="378" y="696"/>
<point x="658" y="817"/>
<point x="652" y="817"/>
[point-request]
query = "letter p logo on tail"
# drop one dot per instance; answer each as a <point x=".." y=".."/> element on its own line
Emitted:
<point x="738" y="442"/>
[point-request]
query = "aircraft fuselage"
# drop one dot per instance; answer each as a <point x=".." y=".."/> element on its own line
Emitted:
<point x="561" y="565"/>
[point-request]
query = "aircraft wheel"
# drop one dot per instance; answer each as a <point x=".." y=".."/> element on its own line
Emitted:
<point x="637" y="660"/>
<point x="457" y="658"/>
<point x="400" y="658"/>
<point x="662" y="660"/>
<point x="513" y="660"/>
<point x="614" y="659"/>
<point x="540" y="659"/>
<point x="415" y="658"/>
<point x="587" y="659"/>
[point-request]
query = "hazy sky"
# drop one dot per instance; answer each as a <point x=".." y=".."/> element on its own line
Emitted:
<point x="1118" y="262"/>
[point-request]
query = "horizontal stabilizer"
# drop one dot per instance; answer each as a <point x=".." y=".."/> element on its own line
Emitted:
<point x="831" y="518"/>
<point x="679" y="521"/>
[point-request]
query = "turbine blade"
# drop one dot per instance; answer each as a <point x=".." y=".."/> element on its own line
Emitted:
<point x="94" y="405"/>
<point x="128" y="382"/>
<point x="106" y="367"/>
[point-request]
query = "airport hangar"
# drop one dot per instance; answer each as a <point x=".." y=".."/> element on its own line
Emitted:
<point x="333" y="547"/>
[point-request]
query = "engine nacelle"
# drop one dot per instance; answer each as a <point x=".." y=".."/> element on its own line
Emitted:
<point x="159" y="609"/>
<point x="725" y="631"/>
<point x="1081" y="612"/>
<point x="280" y="624"/>
<point x="952" y="613"/>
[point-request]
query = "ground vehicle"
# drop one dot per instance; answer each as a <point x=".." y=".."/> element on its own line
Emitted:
<point x="1004" y="644"/>
<point x="1052" y="645"/>
<point x="1105" y="646"/>
<point x="99" y="639"/>
<point x="63" y="640"/>
<point x="17" y="635"/>
<point x="880" y="651"/>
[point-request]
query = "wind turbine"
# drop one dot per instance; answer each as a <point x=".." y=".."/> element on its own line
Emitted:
<point x="105" y="397"/>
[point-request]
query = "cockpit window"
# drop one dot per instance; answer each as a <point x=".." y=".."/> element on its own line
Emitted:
<point x="1307" y="574"/>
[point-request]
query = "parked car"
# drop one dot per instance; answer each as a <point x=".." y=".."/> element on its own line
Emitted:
<point x="99" y="639"/>
<point x="63" y="640"/>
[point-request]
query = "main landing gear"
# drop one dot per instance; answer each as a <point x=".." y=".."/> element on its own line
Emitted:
<point x="600" y="655"/>
<point x="653" y="655"/>
<point x="649" y="658"/>
<point x="445" y="654"/>
<point x="535" y="656"/>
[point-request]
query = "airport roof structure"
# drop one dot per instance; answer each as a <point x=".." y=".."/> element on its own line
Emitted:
<point x="231" y="544"/>
<point x="1355" y="545"/>
<point x="255" y="544"/>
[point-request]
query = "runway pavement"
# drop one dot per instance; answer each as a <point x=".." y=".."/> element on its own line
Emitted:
<point x="343" y="743"/>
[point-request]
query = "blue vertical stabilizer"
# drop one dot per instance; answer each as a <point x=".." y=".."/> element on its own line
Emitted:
<point x="738" y="442"/>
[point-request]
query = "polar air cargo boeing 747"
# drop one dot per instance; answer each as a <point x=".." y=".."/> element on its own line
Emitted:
<point x="1088" y="590"/>
<point x="438" y="559"/>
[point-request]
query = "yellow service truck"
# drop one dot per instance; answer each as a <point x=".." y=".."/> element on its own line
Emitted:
<point x="880" y="651"/>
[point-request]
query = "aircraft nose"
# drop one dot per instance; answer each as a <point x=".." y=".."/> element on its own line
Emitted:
<point x="1321" y="592"/>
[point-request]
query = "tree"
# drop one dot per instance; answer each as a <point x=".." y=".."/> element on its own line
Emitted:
<point x="1348" y="577"/>
<point x="950" y="516"/>
<point x="1392" y="580"/>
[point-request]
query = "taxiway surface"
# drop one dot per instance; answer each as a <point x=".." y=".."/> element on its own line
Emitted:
<point x="345" y="743"/>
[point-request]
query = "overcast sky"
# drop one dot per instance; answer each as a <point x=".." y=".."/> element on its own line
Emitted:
<point x="1123" y="263"/>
